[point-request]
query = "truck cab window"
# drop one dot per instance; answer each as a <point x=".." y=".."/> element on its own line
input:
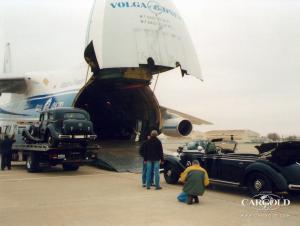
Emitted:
<point x="45" y="116"/>
<point x="42" y="117"/>
<point x="51" y="116"/>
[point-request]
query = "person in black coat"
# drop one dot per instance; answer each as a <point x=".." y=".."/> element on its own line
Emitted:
<point x="153" y="158"/>
<point x="6" y="152"/>
<point x="144" y="169"/>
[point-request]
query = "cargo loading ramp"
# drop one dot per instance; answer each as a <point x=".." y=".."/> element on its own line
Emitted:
<point x="120" y="156"/>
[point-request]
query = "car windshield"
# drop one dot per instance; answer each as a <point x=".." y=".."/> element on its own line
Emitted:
<point x="74" y="115"/>
<point x="211" y="148"/>
<point x="192" y="145"/>
<point x="227" y="145"/>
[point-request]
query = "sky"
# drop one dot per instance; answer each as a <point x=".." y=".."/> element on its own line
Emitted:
<point x="249" y="52"/>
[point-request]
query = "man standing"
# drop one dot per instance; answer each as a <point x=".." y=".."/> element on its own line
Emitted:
<point x="195" y="179"/>
<point x="6" y="152"/>
<point x="153" y="157"/>
<point x="144" y="170"/>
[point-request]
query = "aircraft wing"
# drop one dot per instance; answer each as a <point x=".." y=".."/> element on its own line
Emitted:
<point x="13" y="84"/>
<point x="194" y="120"/>
<point x="176" y="92"/>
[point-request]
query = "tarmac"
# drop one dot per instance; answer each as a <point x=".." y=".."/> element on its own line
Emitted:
<point x="92" y="196"/>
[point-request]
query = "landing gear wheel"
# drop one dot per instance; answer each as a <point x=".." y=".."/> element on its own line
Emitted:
<point x="258" y="183"/>
<point x="70" y="167"/>
<point x="171" y="173"/>
<point x="32" y="162"/>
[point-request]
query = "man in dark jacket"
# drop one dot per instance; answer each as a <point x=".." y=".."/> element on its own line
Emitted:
<point x="144" y="169"/>
<point x="153" y="157"/>
<point x="195" y="179"/>
<point x="6" y="152"/>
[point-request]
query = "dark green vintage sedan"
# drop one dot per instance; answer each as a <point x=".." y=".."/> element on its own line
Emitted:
<point x="62" y="125"/>
<point x="275" y="168"/>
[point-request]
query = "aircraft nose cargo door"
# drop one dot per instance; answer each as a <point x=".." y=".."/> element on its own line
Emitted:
<point x="129" y="34"/>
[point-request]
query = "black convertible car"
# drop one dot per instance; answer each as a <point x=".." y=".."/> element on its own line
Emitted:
<point x="275" y="169"/>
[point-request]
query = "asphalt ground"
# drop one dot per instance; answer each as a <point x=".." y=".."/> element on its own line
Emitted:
<point x="92" y="196"/>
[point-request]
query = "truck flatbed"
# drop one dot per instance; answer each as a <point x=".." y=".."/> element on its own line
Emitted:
<point x="70" y="155"/>
<point x="45" y="147"/>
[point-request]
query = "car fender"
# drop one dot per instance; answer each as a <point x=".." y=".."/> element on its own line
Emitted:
<point x="50" y="128"/>
<point x="174" y="161"/>
<point x="277" y="178"/>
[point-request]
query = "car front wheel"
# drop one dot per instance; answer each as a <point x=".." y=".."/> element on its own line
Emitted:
<point x="258" y="183"/>
<point x="171" y="173"/>
<point x="32" y="162"/>
<point x="51" y="141"/>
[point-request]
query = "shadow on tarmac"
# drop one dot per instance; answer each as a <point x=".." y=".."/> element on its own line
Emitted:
<point x="56" y="171"/>
<point x="241" y="192"/>
<point x="217" y="189"/>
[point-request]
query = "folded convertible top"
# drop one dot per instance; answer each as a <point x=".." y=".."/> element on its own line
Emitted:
<point x="284" y="153"/>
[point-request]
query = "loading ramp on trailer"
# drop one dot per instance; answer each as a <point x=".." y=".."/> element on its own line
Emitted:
<point x="120" y="156"/>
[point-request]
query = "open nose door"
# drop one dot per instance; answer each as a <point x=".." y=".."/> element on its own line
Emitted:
<point x="128" y="34"/>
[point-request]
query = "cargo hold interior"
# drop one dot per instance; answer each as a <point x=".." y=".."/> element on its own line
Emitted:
<point x="120" y="110"/>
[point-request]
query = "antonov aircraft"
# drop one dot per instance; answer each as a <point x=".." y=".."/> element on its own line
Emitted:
<point x="127" y="44"/>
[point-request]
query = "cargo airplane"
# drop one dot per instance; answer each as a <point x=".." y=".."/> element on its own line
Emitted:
<point x="127" y="44"/>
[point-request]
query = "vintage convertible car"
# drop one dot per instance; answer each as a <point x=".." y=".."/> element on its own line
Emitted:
<point x="275" y="168"/>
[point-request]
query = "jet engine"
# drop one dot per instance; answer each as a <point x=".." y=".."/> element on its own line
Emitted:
<point x="177" y="127"/>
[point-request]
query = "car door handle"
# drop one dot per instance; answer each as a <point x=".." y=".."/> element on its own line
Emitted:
<point x="241" y="163"/>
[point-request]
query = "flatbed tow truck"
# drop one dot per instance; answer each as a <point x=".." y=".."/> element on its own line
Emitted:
<point x="38" y="156"/>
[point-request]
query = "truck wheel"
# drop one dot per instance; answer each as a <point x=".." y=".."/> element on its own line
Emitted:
<point x="51" y="141"/>
<point x="70" y="167"/>
<point x="84" y="144"/>
<point x="171" y="173"/>
<point x="32" y="162"/>
<point x="257" y="183"/>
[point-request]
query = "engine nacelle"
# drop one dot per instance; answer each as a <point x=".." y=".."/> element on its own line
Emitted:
<point x="177" y="127"/>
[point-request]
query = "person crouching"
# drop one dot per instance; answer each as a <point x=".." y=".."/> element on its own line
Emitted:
<point x="195" y="180"/>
